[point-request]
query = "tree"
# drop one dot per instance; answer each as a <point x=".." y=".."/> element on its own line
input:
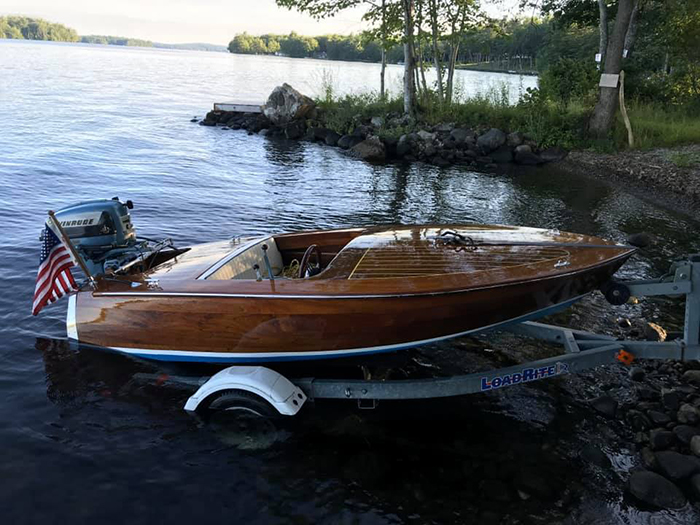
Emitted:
<point x="241" y="43"/>
<point x="327" y="8"/>
<point x="387" y="28"/>
<point x="21" y="27"/>
<point x="461" y="16"/>
<point x="603" y="28"/>
<point x="409" y="70"/>
<point x="604" y="113"/>
<point x="298" y="46"/>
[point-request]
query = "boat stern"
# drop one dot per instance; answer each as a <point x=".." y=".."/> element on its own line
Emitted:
<point x="71" y="318"/>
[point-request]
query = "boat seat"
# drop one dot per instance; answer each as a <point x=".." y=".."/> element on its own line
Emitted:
<point x="241" y="266"/>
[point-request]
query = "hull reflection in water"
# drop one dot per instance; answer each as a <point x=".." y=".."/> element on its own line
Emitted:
<point x="340" y="293"/>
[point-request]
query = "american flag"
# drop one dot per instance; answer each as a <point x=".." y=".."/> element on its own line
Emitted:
<point x="53" y="279"/>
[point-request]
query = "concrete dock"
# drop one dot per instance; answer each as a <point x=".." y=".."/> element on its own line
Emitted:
<point x="238" y="107"/>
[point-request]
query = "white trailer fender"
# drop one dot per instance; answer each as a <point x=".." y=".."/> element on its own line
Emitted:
<point x="282" y="394"/>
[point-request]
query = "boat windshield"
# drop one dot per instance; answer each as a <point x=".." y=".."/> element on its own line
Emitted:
<point x="248" y="262"/>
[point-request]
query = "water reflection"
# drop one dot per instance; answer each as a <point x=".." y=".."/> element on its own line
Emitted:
<point x="86" y="442"/>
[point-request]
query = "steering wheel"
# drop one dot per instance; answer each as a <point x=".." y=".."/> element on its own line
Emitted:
<point x="304" y="265"/>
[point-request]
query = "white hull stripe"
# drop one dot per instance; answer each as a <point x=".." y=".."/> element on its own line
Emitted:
<point x="233" y="357"/>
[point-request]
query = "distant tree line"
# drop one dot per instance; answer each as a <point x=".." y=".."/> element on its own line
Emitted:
<point x="25" y="28"/>
<point x="527" y="44"/>
<point x="333" y="47"/>
<point x="115" y="41"/>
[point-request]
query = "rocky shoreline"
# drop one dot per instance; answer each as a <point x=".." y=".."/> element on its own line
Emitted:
<point x="665" y="418"/>
<point x="648" y="170"/>
<point x="291" y="115"/>
<point x="655" y="407"/>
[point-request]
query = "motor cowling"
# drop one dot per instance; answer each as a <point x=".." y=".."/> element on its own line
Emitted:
<point x="98" y="224"/>
<point x="102" y="232"/>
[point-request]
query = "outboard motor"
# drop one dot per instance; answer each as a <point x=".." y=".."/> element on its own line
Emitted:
<point x="104" y="235"/>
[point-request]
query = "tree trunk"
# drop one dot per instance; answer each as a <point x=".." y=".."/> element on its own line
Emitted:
<point x="632" y="29"/>
<point x="451" y="71"/>
<point x="382" y="91"/>
<point x="409" y="90"/>
<point x="604" y="112"/>
<point x="603" y="46"/>
<point x="419" y="65"/>
<point x="435" y="34"/>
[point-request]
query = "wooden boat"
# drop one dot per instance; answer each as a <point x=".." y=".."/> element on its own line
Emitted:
<point x="373" y="290"/>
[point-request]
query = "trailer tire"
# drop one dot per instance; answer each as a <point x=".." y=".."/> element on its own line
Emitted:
<point x="241" y="400"/>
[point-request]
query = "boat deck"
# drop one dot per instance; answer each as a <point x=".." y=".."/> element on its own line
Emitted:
<point x="429" y="252"/>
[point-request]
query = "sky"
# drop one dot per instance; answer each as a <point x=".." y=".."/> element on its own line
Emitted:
<point x="181" y="21"/>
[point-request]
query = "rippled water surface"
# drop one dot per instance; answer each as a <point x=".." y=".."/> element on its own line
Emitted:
<point x="82" y="440"/>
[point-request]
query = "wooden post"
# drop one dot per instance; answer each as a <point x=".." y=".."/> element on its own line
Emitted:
<point x="69" y="244"/>
<point x="623" y="109"/>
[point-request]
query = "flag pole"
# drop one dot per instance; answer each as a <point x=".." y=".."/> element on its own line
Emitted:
<point x="66" y="240"/>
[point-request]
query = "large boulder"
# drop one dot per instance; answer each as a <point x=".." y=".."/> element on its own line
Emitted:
<point x="695" y="485"/>
<point x="688" y="414"/>
<point x="348" y="141"/>
<point x="294" y="130"/>
<point x="515" y="139"/>
<point x="695" y="445"/>
<point x="286" y="104"/>
<point x="426" y="135"/>
<point x="554" y="154"/>
<point x="332" y="138"/>
<point x="371" y="149"/>
<point x="524" y="155"/>
<point x="655" y="490"/>
<point x="676" y="466"/>
<point x="502" y="155"/>
<point x="320" y="133"/>
<point x="404" y="146"/>
<point x="690" y="376"/>
<point x="606" y="405"/>
<point x="685" y="434"/>
<point x="461" y="135"/>
<point x="491" y="140"/>
<point x="660" y="439"/>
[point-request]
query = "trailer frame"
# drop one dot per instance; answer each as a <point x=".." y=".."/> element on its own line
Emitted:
<point x="582" y="350"/>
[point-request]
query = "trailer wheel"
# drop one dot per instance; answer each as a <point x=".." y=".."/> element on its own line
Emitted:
<point x="244" y="402"/>
<point x="616" y="294"/>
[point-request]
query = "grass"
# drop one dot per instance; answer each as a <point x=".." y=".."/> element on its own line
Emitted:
<point x="656" y="126"/>
<point x="547" y="122"/>
<point x="684" y="160"/>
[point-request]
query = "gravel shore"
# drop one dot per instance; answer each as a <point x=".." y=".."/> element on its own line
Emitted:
<point x="656" y="169"/>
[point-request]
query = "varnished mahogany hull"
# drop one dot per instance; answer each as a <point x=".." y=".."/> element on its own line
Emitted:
<point x="217" y="327"/>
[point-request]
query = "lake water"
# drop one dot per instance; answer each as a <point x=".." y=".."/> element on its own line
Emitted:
<point x="83" y="442"/>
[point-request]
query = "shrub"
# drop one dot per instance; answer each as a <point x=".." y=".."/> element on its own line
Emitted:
<point x="569" y="79"/>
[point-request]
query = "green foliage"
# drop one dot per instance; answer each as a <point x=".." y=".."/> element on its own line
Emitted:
<point x="344" y="113"/>
<point x="333" y="47"/>
<point x="658" y="125"/>
<point x="246" y="44"/>
<point x="685" y="159"/>
<point x="24" y="28"/>
<point x="298" y="46"/>
<point x="569" y="79"/>
<point x="115" y="41"/>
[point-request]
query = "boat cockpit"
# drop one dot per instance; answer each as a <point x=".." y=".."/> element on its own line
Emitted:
<point x="289" y="256"/>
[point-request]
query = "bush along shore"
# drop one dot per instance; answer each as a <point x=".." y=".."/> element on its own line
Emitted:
<point x="386" y="137"/>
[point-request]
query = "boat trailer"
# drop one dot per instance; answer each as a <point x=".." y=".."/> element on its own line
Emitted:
<point x="582" y="350"/>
